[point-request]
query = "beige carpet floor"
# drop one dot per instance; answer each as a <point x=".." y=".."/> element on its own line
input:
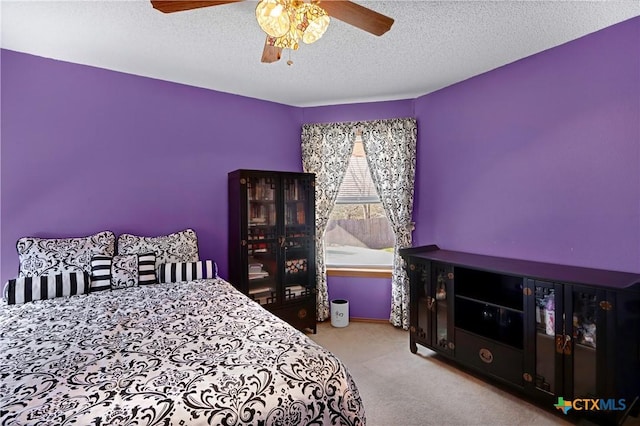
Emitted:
<point x="404" y="389"/>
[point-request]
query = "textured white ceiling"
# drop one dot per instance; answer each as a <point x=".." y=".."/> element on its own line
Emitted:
<point x="432" y="44"/>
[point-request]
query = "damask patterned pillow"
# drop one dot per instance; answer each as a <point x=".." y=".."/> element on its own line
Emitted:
<point x="122" y="271"/>
<point x="187" y="271"/>
<point x="46" y="256"/>
<point x="28" y="289"/>
<point x="177" y="247"/>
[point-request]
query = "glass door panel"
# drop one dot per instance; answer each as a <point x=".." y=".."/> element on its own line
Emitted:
<point x="297" y="242"/>
<point x="262" y="240"/>
<point x="261" y="193"/>
<point x="545" y="367"/>
<point x="262" y="273"/>
<point x="584" y="320"/>
<point x="296" y="274"/>
<point x="296" y="194"/>
<point x="423" y="310"/>
<point x="440" y="296"/>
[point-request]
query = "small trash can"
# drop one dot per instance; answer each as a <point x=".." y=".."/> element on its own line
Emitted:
<point x="339" y="313"/>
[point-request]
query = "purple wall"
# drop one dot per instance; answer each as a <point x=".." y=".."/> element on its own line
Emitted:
<point x="86" y="149"/>
<point x="538" y="159"/>
<point x="369" y="298"/>
<point x="359" y="112"/>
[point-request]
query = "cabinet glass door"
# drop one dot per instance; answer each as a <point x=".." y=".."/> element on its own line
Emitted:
<point x="442" y="277"/>
<point x="546" y="375"/>
<point x="262" y="239"/>
<point x="297" y="241"/>
<point x="583" y="328"/>
<point x="431" y="291"/>
<point x="420" y="274"/>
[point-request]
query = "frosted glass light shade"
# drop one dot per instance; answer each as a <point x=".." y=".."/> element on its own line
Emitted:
<point x="316" y="21"/>
<point x="273" y="17"/>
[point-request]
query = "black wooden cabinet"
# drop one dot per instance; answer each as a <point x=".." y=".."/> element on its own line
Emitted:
<point x="431" y="316"/>
<point x="272" y="242"/>
<point x="547" y="330"/>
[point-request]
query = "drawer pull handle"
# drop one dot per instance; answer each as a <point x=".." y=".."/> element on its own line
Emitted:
<point x="486" y="355"/>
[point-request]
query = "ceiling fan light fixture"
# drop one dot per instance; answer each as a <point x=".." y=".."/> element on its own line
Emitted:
<point x="273" y="17"/>
<point x="287" y="41"/>
<point x="315" y="21"/>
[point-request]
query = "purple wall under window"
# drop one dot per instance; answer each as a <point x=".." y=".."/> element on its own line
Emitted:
<point x="537" y="159"/>
<point x="369" y="298"/>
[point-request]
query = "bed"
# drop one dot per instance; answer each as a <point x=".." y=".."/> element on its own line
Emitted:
<point x="195" y="352"/>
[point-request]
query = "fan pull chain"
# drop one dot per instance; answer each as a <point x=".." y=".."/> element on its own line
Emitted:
<point x="289" y="61"/>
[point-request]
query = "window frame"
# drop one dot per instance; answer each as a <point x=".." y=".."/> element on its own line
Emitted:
<point x="370" y="271"/>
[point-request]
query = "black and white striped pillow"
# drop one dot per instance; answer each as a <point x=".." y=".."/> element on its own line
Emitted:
<point x="187" y="271"/>
<point x="147" y="269"/>
<point x="28" y="289"/>
<point x="100" y="273"/>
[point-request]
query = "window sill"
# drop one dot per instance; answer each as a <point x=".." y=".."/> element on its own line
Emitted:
<point x="359" y="272"/>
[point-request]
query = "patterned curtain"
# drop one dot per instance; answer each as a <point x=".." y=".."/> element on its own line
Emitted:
<point x="326" y="149"/>
<point x="390" y="146"/>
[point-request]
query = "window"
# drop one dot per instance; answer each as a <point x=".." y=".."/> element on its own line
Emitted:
<point x="358" y="233"/>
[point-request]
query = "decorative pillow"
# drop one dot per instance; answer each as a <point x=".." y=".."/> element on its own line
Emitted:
<point x="122" y="271"/>
<point x="147" y="269"/>
<point x="178" y="247"/>
<point x="187" y="271"/>
<point x="27" y="289"/>
<point x="100" y="273"/>
<point x="47" y="256"/>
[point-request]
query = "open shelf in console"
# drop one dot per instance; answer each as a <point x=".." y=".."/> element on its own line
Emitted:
<point x="489" y="287"/>
<point x="490" y="321"/>
<point x="490" y="305"/>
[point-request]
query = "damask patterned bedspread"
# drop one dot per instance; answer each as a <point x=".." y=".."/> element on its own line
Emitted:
<point x="196" y="353"/>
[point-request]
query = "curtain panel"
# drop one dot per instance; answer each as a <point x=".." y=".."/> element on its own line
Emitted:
<point x="390" y="147"/>
<point x="326" y="149"/>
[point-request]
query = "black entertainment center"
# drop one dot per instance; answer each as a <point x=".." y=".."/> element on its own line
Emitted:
<point x="549" y="331"/>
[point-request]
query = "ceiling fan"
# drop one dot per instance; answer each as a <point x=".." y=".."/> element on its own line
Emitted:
<point x="287" y="21"/>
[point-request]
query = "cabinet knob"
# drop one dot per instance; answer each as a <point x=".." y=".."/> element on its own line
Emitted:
<point x="485" y="355"/>
<point x="527" y="377"/>
<point x="302" y="313"/>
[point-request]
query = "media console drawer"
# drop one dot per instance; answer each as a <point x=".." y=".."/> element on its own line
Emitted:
<point x="490" y="357"/>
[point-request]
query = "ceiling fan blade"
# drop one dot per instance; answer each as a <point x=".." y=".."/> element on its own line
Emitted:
<point x="270" y="53"/>
<point x="358" y="16"/>
<point x="179" y="5"/>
